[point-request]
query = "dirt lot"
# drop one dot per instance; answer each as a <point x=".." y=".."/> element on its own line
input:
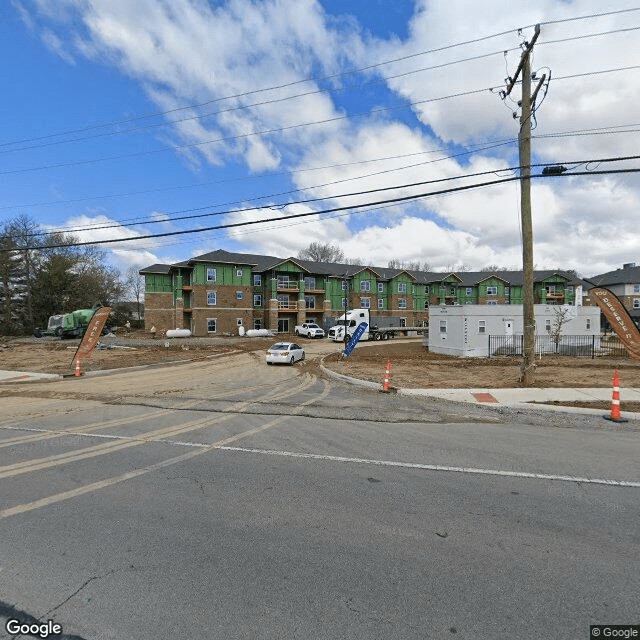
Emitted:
<point x="412" y="364"/>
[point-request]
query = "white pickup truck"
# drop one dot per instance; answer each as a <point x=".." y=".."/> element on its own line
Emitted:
<point x="309" y="329"/>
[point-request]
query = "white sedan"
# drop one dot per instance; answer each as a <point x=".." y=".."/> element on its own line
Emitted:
<point x="285" y="352"/>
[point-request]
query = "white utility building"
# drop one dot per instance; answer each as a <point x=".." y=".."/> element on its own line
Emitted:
<point x="464" y="330"/>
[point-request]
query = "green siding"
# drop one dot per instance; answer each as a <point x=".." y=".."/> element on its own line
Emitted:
<point x="226" y="274"/>
<point x="156" y="283"/>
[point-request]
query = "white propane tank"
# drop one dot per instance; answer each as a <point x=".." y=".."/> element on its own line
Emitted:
<point x="240" y="330"/>
<point x="178" y="333"/>
<point x="258" y="333"/>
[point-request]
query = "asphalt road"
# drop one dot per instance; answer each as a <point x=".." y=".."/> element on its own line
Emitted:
<point x="228" y="499"/>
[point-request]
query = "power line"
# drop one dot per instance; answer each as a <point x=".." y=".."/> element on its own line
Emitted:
<point x="310" y="79"/>
<point x="352" y="208"/>
<point x="288" y="204"/>
<point x="241" y="107"/>
<point x="148" y="220"/>
<point x="289" y="127"/>
<point x="382" y="80"/>
<point x="479" y="147"/>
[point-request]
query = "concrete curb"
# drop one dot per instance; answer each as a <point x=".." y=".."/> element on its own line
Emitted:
<point x="466" y="396"/>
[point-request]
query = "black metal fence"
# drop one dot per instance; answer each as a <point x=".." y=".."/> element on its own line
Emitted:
<point x="586" y="346"/>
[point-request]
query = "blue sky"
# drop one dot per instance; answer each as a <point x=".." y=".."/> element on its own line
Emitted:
<point x="118" y="113"/>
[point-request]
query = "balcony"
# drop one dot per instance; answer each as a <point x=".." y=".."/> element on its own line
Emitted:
<point x="288" y="286"/>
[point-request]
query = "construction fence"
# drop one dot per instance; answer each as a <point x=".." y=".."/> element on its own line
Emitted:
<point x="585" y="346"/>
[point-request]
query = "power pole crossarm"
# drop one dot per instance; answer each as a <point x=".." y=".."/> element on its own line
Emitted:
<point x="527" y="51"/>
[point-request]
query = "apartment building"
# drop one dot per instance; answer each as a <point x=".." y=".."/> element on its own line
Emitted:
<point x="624" y="283"/>
<point x="218" y="292"/>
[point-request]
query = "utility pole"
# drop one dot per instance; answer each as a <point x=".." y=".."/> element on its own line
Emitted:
<point x="524" y="145"/>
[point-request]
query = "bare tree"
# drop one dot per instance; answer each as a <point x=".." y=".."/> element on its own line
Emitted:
<point x="494" y="268"/>
<point x="561" y="315"/>
<point x="319" y="252"/>
<point x="411" y="265"/>
<point x="134" y="283"/>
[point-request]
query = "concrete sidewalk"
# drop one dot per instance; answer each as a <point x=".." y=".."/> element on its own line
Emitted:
<point x="9" y="377"/>
<point x="534" y="398"/>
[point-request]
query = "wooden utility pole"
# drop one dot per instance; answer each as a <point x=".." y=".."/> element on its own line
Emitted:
<point x="524" y="144"/>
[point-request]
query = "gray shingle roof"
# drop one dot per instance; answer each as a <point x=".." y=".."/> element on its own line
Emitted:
<point x="261" y="263"/>
<point x="626" y="275"/>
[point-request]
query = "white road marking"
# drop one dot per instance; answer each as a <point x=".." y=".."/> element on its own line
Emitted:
<point x="437" y="467"/>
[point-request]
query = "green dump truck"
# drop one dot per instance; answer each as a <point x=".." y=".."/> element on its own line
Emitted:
<point x="68" y="325"/>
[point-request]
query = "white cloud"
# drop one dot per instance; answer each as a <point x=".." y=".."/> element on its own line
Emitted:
<point x="280" y="237"/>
<point x="98" y="228"/>
<point x="195" y="53"/>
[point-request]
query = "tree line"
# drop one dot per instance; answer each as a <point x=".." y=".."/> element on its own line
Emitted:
<point x="37" y="282"/>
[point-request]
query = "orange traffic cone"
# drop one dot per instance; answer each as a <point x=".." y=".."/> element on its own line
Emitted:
<point x="78" y="367"/>
<point x="387" y="377"/>
<point x="615" y="400"/>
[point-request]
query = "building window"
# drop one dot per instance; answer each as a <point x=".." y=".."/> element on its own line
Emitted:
<point x="547" y="325"/>
<point x="283" y="301"/>
<point x="443" y="326"/>
<point x="491" y="302"/>
<point x="309" y="283"/>
<point x="239" y="321"/>
<point x="365" y="285"/>
<point x="257" y="300"/>
<point x="257" y="323"/>
<point x="212" y="298"/>
<point x="239" y="273"/>
<point x="570" y="288"/>
<point x="402" y="303"/>
<point x="211" y="325"/>
<point x="402" y="287"/>
<point x="507" y="291"/>
<point x="492" y="291"/>
<point x="380" y="303"/>
<point x="403" y="322"/>
<point x="310" y="302"/>
<point x="588" y="324"/>
<point x="636" y="288"/>
<point x="469" y="291"/>
<point x="482" y="326"/>
<point x="257" y="280"/>
<point x="239" y="295"/>
<point x="636" y="303"/>
<point x="344" y="303"/>
<point x="345" y="285"/>
<point x="365" y="303"/>
<point x="550" y="288"/>
<point x="380" y="287"/>
<point x="283" y="282"/>
<point x="211" y="275"/>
